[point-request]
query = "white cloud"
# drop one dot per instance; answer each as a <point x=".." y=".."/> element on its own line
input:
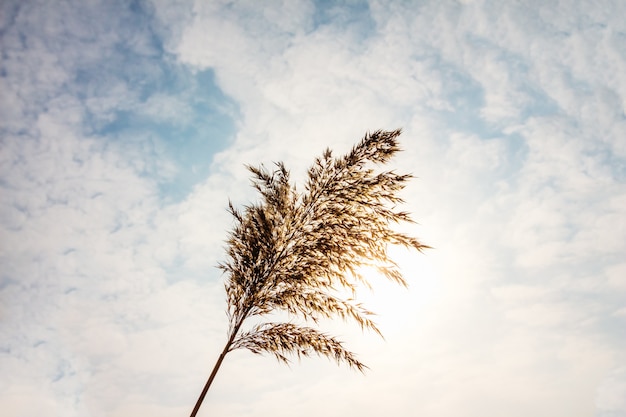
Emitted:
<point x="516" y="208"/>
<point x="513" y="120"/>
<point x="611" y="395"/>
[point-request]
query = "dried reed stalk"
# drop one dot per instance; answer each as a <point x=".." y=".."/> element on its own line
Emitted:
<point x="292" y="251"/>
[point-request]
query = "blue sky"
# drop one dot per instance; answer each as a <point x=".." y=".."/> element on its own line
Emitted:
<point x="124" y="130"/>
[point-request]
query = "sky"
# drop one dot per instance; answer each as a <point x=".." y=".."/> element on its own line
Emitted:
<point x="125" y="127"/>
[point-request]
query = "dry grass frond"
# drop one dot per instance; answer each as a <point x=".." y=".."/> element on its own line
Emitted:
<point x="291" y="251"/>
<point x="281" y="339"/>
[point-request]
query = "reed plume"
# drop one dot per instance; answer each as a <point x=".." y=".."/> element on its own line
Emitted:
<point x="293" y="251"/>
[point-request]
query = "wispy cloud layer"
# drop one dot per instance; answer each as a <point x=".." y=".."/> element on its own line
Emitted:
<point x="124" y="129"/>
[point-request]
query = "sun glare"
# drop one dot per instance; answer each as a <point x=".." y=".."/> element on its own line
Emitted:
<point x="392" y="303"/>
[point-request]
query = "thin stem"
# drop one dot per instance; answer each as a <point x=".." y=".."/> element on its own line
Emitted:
<point x="215" y="369"/>
<point x="210" y="380"/>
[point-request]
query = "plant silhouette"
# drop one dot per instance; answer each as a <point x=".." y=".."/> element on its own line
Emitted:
<point x="293" y="251"/>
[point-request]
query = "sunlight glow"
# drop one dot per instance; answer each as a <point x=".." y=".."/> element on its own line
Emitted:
<point x="391" y="303"/>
